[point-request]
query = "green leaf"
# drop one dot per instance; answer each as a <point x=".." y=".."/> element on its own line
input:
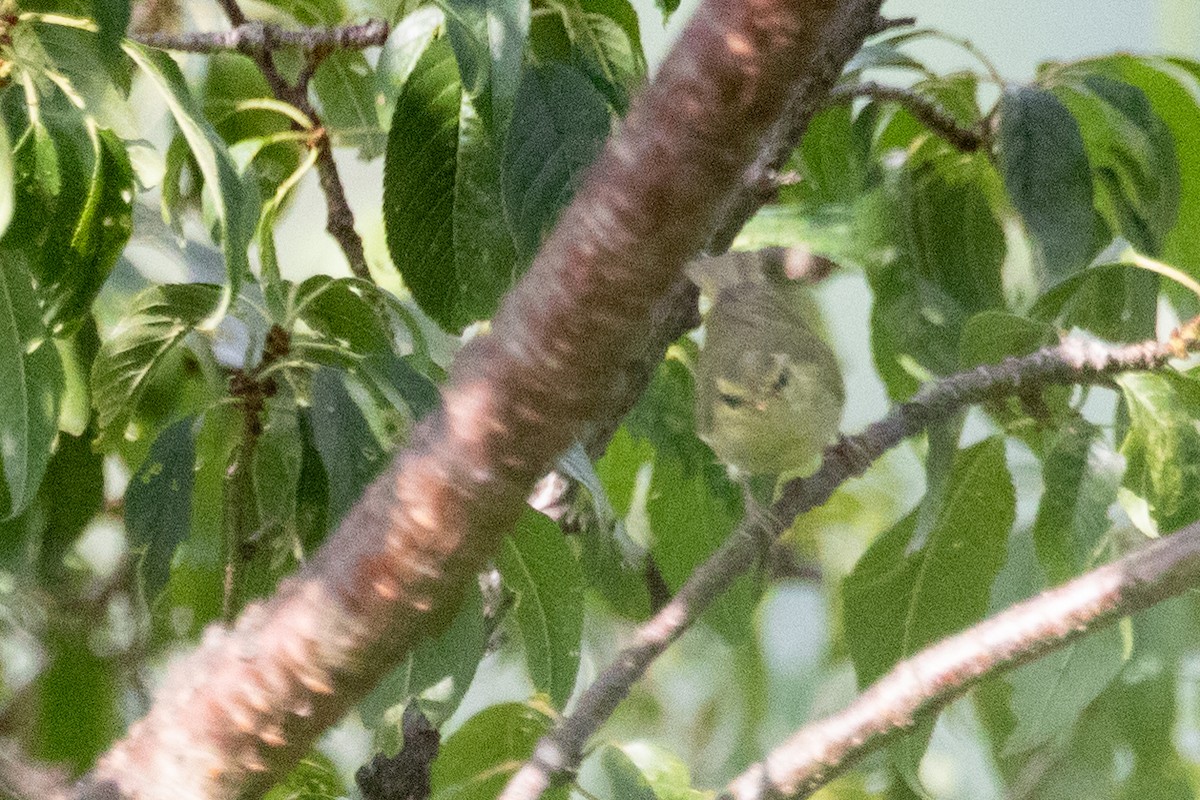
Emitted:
<point x="1049" y="695"/>
<point x="1081" y="473"/>
<point x="76" y="678"/>
<point x="418" y="187"/>
<point x="488" y="37"/>
<point x="538" y="567"/>
<point x="898" y="601"/>
<point x="667" y="7"/>
<point x="234" y="200"/>
<point x="159" y="320"/>
<point x="625" y="780"/>
<point x="30" y="390"/>
<point x="663" y="771"/>
<point x="352" y="450"/>
<point x="345" y="85"/>
<point x="314" y="778"/>
<point x="278" y="460"/>
<point x="1118" y="302"/>
<point x="158" y="503"/>
<point x="558" y="126"/>
<point x="112" y="17"/>
<point x="476" y="761"/>
<point x="71" y="495"/>
<point x="1131" y="153"/>
<point x="1162" y="448"/>
<point x="400" y="383"/>
<point x="1046" y="173"/>
<point x="691" y="514"/>
<point x="405" y="44"/>
<point x="343" y="309"/>
<point x="937" y="217"/>
<point x="438" y="672"/>
<point x="593" y="36"/>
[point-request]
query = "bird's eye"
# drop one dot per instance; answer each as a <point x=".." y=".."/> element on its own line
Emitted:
<point x="781" y="382"/>
<point x="731" y="400"/>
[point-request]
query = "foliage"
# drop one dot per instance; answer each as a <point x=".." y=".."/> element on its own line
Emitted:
<point x="177" y="446"/>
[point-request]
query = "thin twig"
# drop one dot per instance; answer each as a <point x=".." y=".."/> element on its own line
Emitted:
<point x="255" y="37"/>
<point x="927" y="110"/>
<point x="1070" y="362"/>
<point x="940" y="673"/>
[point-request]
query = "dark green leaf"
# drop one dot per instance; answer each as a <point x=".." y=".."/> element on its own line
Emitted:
<point x="344" y="310"/>
<point x="538" y="567"/>
<point x="898" y="600"/>
<point x="1046" y="174"/>
<point x="478" y="759"/>
<point x="558" y="126"/>
<point x="158" y="502"/>
<point x="158" y="321"/>
<point x="72" y="494"/>
<point x="112" y="16"/>
<point x="400" y="383"/>
<point x="419" y="183"/>
<point x="278" y="460"/>
<point x="30" y="390"/>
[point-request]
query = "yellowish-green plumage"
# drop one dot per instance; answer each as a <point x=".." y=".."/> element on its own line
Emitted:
<point x="769" y="391"/>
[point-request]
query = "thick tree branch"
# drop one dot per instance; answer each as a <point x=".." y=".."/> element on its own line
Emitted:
<point x="238" y="712"/>
<point x="933" y="677"/>
<point x="925" y="109"/>
<point x="1071" y="362"/>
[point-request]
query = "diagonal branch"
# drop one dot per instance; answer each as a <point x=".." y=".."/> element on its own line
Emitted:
<point x="1071" y="362"/>
<point x="247" y="704"/>
<point x="938" y="674"/>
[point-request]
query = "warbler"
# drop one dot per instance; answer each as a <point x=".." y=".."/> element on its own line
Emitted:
<point x="769" y="391"/>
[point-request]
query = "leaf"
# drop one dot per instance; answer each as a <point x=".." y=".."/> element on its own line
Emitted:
<point x="594" y="37"/>
<point x="625" y="780"/>
<point x="1131" y="153"/>
<point x="342" y="309"/>
<point x="936" y="217"/>
<point x="477" y="760"/>
<point x="351" y="450"/>
<point x="75" y="678"/>
<point x="1162" y="448"/>
<point x="159" y="320"/>
<point x="897" y="602"/>
<point x="400" y="384"/>
<point x="1118" y="302"/>
<point x="692" y="512"/>
<point x="664" y="771"/>
<point x="71" y="495"/>
<point x="1050" y="694"/>
<point x="418" y="186"/>
<point x="345" y="84"/>
<point x="1081" y="473"/>
<point x="112" y="17"/>
<point x="558" y="127"/>
<point x="158" y="503"/>
<point x="314" y="778"/>
<point x="488" y="38"/>
<point x="438" y="672"/>
<point x="278" y="460"/>
<point x="1046" y="173"/>
<point x="538" y="567"/>
<point x="30" y="390"/>
<point x="235" y="202"/>
<point x="409" y="39"/>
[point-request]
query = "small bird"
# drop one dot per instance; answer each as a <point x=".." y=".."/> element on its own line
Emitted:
<point x="769" y="391"/>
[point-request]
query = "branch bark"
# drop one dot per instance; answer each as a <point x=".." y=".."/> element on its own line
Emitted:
<point x="250" y="38"/>
<point x="239" y="711"/>
<point x="1070" y="362"/>
<point x="932" y="678"/>
<point x="931" y="114"/>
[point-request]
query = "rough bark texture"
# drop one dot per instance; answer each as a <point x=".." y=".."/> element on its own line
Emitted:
<point x="241" y="709"/>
